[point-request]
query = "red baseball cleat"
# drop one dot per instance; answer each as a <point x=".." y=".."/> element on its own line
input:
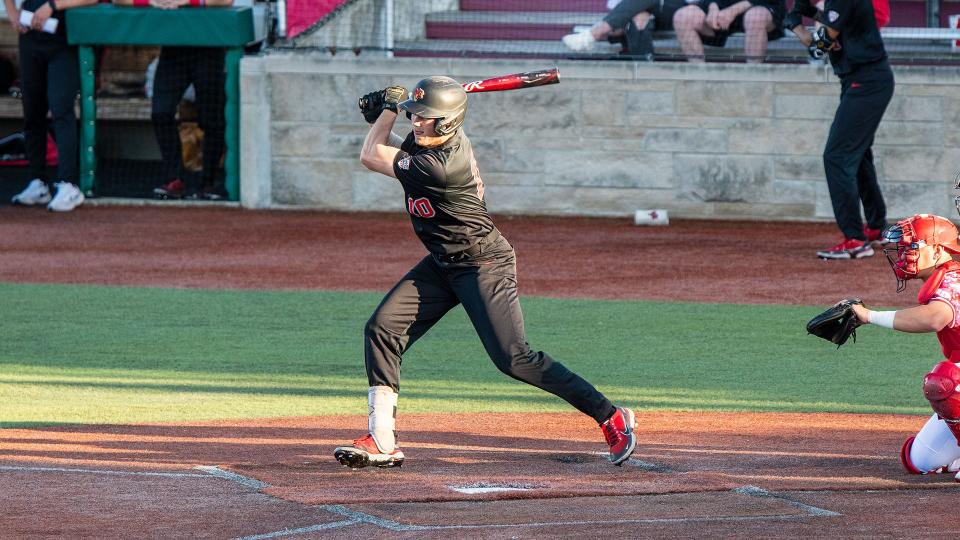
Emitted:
<point x="174" y="189"/>
<point x="874" y="236"/>
<point x="850" y="248"/>
<point x="365" y="452"/>
<point x="618" y="431"/>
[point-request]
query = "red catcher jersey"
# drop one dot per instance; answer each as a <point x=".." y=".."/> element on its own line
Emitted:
<point x="949" y="336"/>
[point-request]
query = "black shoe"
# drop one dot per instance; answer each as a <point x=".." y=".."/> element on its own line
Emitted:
<point x="210" y="194"/>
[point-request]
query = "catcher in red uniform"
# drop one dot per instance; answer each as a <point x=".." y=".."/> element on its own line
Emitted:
<point x="922" y="248"/>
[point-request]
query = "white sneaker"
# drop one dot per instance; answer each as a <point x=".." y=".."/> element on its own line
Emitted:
<point x="36" y="192"/>
<point x="67" y="198"/>
<point x="580" y="41"/>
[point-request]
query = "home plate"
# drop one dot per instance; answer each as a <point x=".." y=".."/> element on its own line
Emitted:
<point x="486" y="487"/>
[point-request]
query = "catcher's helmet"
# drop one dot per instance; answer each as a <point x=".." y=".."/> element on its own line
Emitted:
<point x="914" y="244"/>
<point x="438" y="97"/>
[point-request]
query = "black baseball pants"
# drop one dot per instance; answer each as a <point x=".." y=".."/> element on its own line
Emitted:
<point x="49" y="80"/>
<point x="176" y="69"/>
<point x="848" y="157"/>
<point x="486" y="286"/>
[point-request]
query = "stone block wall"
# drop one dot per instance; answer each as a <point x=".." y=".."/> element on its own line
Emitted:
<point x="704" y="141"/>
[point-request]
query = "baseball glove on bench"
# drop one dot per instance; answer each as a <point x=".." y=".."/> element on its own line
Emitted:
<point x="837" y="324"/>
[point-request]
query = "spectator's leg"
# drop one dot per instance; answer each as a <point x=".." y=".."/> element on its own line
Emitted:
<point x="63" y="73"/>
<point x="209" y="81"/>
<point x="757" y="21"/>
<point x="688" y="22"/>
<point x="33" y="85"/>
<point x="640" y="36"/>
<point x="622" y="13"/>
<point x="600" y="31"/>
<point x="169" y="83"/>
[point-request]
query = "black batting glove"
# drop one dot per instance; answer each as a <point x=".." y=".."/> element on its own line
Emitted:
<point x="371" y="105"/>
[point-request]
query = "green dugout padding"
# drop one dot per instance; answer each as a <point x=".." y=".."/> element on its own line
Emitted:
<point x="106" y="24"/>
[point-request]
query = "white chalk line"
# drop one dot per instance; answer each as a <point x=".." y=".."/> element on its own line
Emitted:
<point x="299" y="530"/>
<point x="233" y="477"/>
<point x="355" y="518"/>
<point x="754" y="491"/>
<point x="103" y="471"/>
<point x="207" y="471"/>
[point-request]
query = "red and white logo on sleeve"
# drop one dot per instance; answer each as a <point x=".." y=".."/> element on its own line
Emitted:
<point x="404" y="163"/>
<point x="420" y="207"/>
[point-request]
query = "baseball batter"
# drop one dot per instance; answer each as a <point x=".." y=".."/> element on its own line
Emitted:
<point x="468" y="262"/>
<point x="922" y="248"/>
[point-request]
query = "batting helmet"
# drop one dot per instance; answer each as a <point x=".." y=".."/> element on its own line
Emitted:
<point x="915" y="242"/>
<point x="438" y="97"/>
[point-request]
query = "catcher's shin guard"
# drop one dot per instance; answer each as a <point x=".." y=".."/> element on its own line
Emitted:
<point x="942" y="388"/>
<point x="905" y="457"/>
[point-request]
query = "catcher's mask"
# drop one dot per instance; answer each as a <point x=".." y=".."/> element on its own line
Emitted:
<point x="914" y="245"/>
<point x="438" y="97"/>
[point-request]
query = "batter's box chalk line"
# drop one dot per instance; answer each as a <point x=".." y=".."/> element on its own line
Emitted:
<point x="233" y="477"/>
<point x="354" y="517"/>
<point x="754" y="491"/>
<point x="644" y="465"/>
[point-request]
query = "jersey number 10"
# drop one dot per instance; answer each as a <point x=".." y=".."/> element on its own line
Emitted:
<point x="420" y="207"/>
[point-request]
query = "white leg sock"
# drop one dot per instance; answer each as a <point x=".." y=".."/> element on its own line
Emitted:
<point x="382" y="419"/>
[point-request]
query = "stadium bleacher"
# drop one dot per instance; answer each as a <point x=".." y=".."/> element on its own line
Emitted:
<point x="533" y="28"/>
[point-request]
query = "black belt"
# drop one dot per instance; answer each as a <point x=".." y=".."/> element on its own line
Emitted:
<point x="471" y="251"/>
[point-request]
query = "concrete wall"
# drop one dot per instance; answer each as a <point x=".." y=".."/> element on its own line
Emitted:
<point x="712" y="141"/>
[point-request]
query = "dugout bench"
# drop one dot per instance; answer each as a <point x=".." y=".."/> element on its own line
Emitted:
<point x="106" y="24"/>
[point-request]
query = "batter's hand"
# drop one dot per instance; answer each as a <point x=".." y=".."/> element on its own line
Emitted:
<point x="392" y="95"/>
<point x="371" y="105"/>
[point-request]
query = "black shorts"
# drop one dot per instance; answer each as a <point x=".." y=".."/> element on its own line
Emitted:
<point x="719" y="39"/>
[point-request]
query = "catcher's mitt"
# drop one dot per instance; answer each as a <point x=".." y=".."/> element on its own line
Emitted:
<point x="837" y="324"/>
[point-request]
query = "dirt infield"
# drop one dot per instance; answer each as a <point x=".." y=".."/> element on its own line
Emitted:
<point x="494" y="475"/>
<point x="693" y="475"/>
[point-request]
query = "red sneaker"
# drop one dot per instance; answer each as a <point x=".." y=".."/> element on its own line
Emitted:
<point x="874" y="236"/>
<point x="851" y="248"/>
<point x="618" y="431"/>
<point x="365" y="452"/>
<point x="174" y="189"/>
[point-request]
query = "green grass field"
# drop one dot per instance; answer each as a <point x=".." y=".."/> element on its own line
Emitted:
<point x="81" y="354"/>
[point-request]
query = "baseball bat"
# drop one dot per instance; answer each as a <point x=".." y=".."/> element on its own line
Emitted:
<point x="527" y="79"/>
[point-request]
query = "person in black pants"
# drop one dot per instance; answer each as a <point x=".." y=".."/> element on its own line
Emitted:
<point x="468" y="263"/>
<point x="631" y="22"/>
<point x="177" y="69"/>
<point x="850" y="37"/>
<point x="49" y="81"/>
